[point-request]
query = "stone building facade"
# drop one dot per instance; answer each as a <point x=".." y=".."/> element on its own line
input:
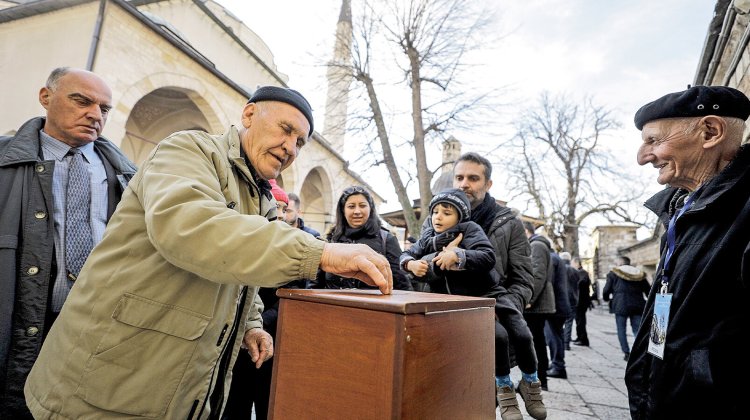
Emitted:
<point x="725" y="59"/>
<point x="172" y="65"/>
<point x="607" y="242"/>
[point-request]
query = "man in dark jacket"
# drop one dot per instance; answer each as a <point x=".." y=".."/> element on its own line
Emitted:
<point x="553" y="329"/>
<point x="37" y="265"/>
<point x="293" y="217"/>
<point x="542" y="303"/>
<point x="691" y="363"/>
<point x="572" y="298"/>
<point x="625" y="290"/>
<point x="584" y="302"/>
<point x="472" y="173"/>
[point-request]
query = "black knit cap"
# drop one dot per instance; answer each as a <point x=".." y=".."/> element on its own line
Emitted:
<point x="456" y="198"/>
<point x="697" y="101"/>
<point x="286" y="95"/>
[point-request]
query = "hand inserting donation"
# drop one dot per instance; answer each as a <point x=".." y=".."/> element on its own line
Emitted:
<point x="360" y="262"/>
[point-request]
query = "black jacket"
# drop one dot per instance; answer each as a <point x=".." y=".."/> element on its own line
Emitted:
<point x="572" y="284"/>
<point x="560" y="286"/>
<point x="311" y="231"/>
<point x="475" y="278"/>
<point x="27" y="249"/>
<point x="704" y="372"/>
<point x="543" y="299"/>
<point x="512" y="251"/>
<point x="513" y="255"/>
<point x="626" y="290"/>
<point x="584" y="290"/>
<point x="392" y="251"/>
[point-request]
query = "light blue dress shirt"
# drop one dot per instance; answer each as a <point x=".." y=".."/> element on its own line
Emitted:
<point x="56" y="150"/>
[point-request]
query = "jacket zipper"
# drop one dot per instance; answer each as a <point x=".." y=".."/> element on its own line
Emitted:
<point x="222" y="361"/>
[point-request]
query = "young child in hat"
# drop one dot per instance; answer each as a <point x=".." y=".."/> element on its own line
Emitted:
<point x="454" y="256"/>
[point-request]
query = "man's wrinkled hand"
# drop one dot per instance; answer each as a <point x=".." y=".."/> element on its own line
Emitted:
<point x="446" y="260"/>
<point x="259" y="344"/>
<point x="454" y="243"/>
<point x="358" y="261"/>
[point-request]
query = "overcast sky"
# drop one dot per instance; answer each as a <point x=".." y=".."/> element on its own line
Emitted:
<point x="623" y="53"/>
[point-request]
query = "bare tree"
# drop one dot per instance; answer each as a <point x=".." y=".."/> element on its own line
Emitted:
<point x="558" y="163"/>
<point x="424" y="43"/>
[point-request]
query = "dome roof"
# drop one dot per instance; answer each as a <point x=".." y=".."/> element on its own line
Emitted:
<point x="444" y="181"/>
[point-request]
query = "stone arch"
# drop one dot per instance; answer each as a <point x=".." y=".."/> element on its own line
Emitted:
<point x="286" y="179"/>
<point x="316" y="200"/>
<point x="160" y="104"/>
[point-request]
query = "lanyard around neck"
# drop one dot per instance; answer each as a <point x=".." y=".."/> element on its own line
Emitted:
<point x="671" y="238"/>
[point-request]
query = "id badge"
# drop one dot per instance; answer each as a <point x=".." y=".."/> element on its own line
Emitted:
<point x="658" y="334"/>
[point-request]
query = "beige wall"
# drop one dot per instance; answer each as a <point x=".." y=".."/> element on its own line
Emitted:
<point x="208" y="38"/>
<point x="133" y="71"/>
<point x="30" y="48"/>
<point x="135" y="61"/>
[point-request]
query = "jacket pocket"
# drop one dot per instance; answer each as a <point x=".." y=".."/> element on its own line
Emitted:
<point x="145" y="352"/>
<point x="8" y="241"/>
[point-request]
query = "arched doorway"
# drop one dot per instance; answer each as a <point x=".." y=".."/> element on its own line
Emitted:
<point x="157" y="115"/>
<point x="315" y="197"/>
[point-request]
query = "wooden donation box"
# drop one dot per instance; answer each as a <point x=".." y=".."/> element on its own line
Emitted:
<point x="359" y="354"/>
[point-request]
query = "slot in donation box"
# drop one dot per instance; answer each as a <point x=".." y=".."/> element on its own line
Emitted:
<point x="359" y="354"/>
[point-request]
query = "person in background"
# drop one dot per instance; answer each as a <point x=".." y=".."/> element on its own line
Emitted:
<point x="626" y="291"/>
<point x="472" y="173"/>
<point x="553" y="329"/>
<point x="572" y="298"/>
<point x="293" y="216"/>
<point x="542" y="303"/>
<point x="168" y="297"/>
<point x="696" y="140"/>
<point x="357" y="222"/>
<point x="60" y="182"/>
<point x="584" y="302"/>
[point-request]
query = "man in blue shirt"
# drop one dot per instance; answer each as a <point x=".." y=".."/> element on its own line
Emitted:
<point x="38" y="165"/>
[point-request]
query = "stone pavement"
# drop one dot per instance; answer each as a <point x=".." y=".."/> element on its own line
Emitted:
<point x="595" y="388"/>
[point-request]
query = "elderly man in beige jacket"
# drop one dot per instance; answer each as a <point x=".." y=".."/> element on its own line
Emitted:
<point x="166" y="300"/>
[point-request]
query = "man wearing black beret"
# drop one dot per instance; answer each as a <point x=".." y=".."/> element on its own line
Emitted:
<point x="686" y="361"/>
<point x="167" y="299"/>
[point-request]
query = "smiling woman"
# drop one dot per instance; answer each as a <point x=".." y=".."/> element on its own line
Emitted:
<point x="357" y="221"/>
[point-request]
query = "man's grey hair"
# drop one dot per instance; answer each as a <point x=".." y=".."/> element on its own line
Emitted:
<point x="565" y="255"/>
<point x="54" y="77"/>
<point x="735" y="126"/>
<point x="478" y="159"/>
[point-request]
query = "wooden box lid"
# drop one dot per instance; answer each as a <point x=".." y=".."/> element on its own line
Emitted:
<point x="400" y="301"/>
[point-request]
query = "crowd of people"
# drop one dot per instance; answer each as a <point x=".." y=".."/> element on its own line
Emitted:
<point x="129" y="290"/>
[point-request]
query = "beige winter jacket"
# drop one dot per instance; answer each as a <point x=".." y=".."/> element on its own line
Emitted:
<point x="148" y="319"/>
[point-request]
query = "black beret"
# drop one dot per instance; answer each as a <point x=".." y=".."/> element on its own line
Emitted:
<point x="286" y="95"/>
<point x="697" y="101"/>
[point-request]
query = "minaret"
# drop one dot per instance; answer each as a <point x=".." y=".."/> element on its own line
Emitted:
<point x="339" y="80"/>
<point x="451" y="152"/>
